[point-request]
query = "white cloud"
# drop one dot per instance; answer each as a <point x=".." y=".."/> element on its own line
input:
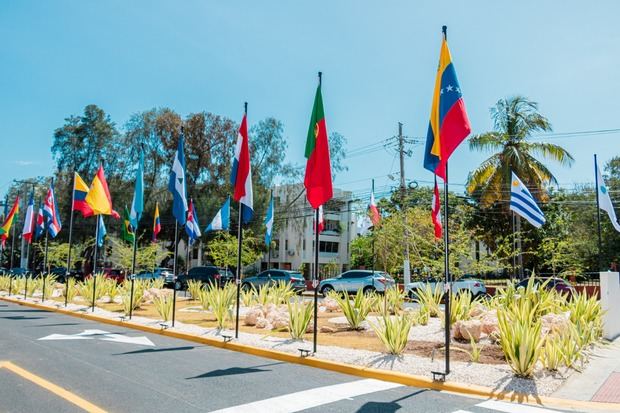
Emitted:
<point x="24" y="163"/>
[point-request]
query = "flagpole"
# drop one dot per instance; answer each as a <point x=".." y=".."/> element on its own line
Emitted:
<point x="94" y="275"/>
<point x="68" y="272"/>
<point x="269" y="246"/>
<point x="598" y="215"/>
<point x="448" y="282"/>
<point x="315" y="278"/>
<point x="174" y="270"/>
<point x="45" y="264"/>
<point x="373" y="235"/>
<point x="6" y="201"/>
<point x="133" y="270"/>
<point x="13" y="242"/>
<point x="520" y="248"/>
<point x="239" y="251"/>
<point x="514" y="247"/>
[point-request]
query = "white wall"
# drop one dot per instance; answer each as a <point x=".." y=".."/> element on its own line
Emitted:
<point x="610" y="302"/>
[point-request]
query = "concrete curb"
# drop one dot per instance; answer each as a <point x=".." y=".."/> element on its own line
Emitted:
<point x="367" y="372"/>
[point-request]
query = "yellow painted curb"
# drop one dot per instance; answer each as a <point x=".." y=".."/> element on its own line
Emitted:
<point x="368" y="372"/>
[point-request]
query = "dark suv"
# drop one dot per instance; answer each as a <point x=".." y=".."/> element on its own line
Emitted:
<point x="205" y="274"/>
<point x="271" y="277"/>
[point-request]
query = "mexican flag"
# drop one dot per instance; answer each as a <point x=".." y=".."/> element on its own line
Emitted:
<point x="318" y="178"/>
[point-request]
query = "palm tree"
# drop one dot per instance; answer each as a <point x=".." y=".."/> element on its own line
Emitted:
<point x="515" y="119"/>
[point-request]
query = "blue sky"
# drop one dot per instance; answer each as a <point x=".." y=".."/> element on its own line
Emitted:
<point x="378" y="59"/>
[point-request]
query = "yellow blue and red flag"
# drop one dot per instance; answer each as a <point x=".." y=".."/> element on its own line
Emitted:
<point x="449" y="124"/>
<point x="156" y="223"/>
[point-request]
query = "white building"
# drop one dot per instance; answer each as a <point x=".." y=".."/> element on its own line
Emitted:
<point x="293" y="234"/>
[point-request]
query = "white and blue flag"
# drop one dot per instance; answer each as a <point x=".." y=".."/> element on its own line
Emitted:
<point x="177" y="186"/>
<point x="192" y="227"/>
<point x="523" y="203"/>
<point x="221" y="221"/>
<point x="102" y="232"/>
<point x="137" y="205"/>
<point x="269" y="222"/>
<point x="604" y="200"/>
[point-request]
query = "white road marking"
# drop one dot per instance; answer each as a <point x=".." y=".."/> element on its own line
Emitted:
<point x="513" y="407"/>
<point x="461" y="411"/>
<point x="101" y="335"/>
<point x="307" y="399"/>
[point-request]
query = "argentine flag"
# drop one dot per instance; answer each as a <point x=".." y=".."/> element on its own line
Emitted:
<point x="523" y="203"/>
<point x="221" y="221"/>
<point x="269" y="222"/>
<point x="241" y="175"/>
<point x="176" y="185"/>
<point x="191" y="226"/>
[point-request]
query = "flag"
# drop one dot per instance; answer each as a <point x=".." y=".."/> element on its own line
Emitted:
<point x="604" y="200"/>
<point x="50" y="212"/>
<point x="449" y="124"/>
<point x="436" y="211"/>
<point x="269" y="222"/>
<point x="241" y="175"/>
<point x="363" y="224"/>
<point x="192" y="227"/>
<point x="127" y="232"/>
<point x="80" y="190"/>
<point x="102" y="232"/>
<point x="137" y="205"/>
<point x="373" y="211"/>
<point x="221" y="221"/>
<point x="8" y="221"/>
<point x="523" y="203"/>
<point x="98" y="197"/>
<point x="28" y="230"/>
<point x="321" y="226"/>
<point x="176" y="184"/>
<point x="39" y="223"/>
<point x="156" y="223"/>
<point x="318" y="177"/>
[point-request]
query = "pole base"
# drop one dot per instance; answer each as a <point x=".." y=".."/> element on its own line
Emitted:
<point x="439" y="376"/>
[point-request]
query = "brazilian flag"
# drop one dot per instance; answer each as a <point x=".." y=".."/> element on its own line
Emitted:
<point x="127" y="232"/>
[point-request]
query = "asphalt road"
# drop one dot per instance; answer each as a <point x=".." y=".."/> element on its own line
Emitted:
<point x="123" y="370"/>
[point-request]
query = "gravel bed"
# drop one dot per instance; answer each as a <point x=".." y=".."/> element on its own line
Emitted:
<point x="497" y="377"/>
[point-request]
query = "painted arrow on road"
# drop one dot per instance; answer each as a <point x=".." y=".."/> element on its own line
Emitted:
<point x="101" y="335"/>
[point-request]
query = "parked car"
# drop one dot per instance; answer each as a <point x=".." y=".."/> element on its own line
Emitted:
<point x="165" y="274"/>
<point x="274" y="276"/>
<point x="114" y="274"/>
<point x="473" y="286"/>
<point x="206" y="274"/>
<point x="351" y="281"/>
<point x="19" y="272"/>
<point x="558" y="284"/>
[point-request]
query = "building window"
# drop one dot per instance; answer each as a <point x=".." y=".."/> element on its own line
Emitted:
<point x="331" y="225"/>
<point x="304" y="244"/>
<point x="328" y="246"/>
<point x="286" y="245"/>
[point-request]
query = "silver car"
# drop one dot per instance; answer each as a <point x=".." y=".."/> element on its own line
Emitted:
<point x="352" y="281"/>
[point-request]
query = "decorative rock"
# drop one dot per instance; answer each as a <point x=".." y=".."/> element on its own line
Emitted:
<point x="57" y="293"/>
<point x="490" y="324"/>
<point x="327" y="329"/>
<point x="467" y="329"/>
<point x="105" y="299"/>
<point x="331" y="305"/>
<point x="253" y="315"/>
<point x="555" y="323"/>
<point x="477" y="310"/>
<point x="263" y="323"/>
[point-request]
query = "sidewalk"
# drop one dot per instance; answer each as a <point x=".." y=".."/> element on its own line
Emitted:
<point x="600" y="381"/>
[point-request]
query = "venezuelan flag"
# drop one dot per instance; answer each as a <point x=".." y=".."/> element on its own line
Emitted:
<point x="449" y="124"/>
<point x="80" y="190"/>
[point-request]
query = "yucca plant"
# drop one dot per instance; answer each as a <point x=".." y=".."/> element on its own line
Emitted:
<point x="264" y="296"/>
<point x="33" y="285"/>
<point x="138" y="299"/>
<point x="393" y="331"/>
<point x="429" y="298"/>
<point x="157" y="283"/>
<point x="50" y="282"/>
<point x="299" y="317"/>
<point x="460" y="307"/>
<point x="552" y="356"/>
<point x="4" y="282"/>
<point x="248" y="297"/>
<point x="221" y="302"/>
<point x="70" y="292"/>
<point x="476" y="350"/>
<point x="281" y="293"/>
<point x="163" y="304"/>
<point x="356" y="311"/>
<point x="194" y="287"/>
<point x="18" y="285"/>
<point x="520" y="337"/>
<point x="422" y="316"/>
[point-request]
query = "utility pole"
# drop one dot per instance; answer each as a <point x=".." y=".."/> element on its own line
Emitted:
<point x="401" y="151"/>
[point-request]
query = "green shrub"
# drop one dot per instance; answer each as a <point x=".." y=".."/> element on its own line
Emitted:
<point x="138" y="299"/>
<point x="460" y="307"/>
<point x="163" y="304"/>
<point x="357" y="311"/>
<point x="393" y="331"/>
<point x="220" y="301"/>
<point x="552" y="356"/>
<point x="476" y="350"/>
<point x="248" y="297"/>
<point x="300" y="316"/>
<point x="430" y="298"/>
<point x="157" y="283"/>
<point x="85" y="288"/>
<point x="50" y="283"/>
<point x="281" y="293"/>
<point x="5" y="281"/>
<point x="70" y="291"/>
<point x="520" y="336"/>
<point x="194" y="287"/>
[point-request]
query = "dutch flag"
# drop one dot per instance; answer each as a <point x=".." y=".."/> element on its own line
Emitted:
<point x="523" y="203"/>
<point x="241" y="176"/>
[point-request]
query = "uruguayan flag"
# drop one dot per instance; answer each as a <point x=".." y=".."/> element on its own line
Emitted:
<point x="523" y="203"/>
<point x="221" y="221"/>
<point x="269" y="222"/>
<point x="176" y="185"/>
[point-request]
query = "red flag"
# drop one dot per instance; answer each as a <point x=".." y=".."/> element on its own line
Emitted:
<point x="321" y="225"/>
<point x="318" y="178"/>
<point x="375" y="217"/>
<point x="436" y="211"/>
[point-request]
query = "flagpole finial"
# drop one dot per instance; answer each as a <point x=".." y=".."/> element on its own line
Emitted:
<point x="245" y="107"/>
<point x="444" y="30"/>
<point x="320" y="78"/>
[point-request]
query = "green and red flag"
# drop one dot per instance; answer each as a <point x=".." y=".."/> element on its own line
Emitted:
<point x="127" y="232"/>
<point x="318" y="178"/>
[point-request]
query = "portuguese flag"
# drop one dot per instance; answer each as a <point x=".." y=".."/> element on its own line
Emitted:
<point x="318" y="179"/>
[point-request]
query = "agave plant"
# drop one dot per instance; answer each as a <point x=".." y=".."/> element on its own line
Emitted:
<point x="248" y="297"/>
<point x="48" y="284"/>
<point x="194" y="287"/>
<point x="70" y="292"/>
<point x="520" y="337"/>
<point x="5" y="281"/>
<point x="552" y="356"/>
<point x="220" y="301"/>
<point x="429" y="298"/>
<point x="393" y="331"/>
<point x="356" y="311"/>
<point x="163" y="304"/>
<point x="282" y="293"/>
<point x="157" y="283"/>
<point x="300" y="315"/>
<point x="460" y="307"/>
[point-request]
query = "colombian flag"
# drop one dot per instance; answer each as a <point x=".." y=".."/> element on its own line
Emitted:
<point x="98" y="197"/>
<point x="449" y="125"/>
<point x="8" y="221"/>
<point x="156" y="223"/>
<point x="80" y="190"/>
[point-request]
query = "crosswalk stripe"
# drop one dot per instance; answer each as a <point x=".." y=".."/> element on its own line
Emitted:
<point x="307" y="399"/>
<point x="513" y="407"/>
<point x="461" y="411"/>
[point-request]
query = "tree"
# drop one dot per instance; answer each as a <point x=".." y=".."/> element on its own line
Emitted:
<point x="515" y="120"/>
<point x="223" y="249"/>
<point x="147" y="257"/>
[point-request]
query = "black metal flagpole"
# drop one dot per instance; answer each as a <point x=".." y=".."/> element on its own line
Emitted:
<point x="68" y="272"/>
<point x="598" y="216"/>
<point x="269" y="246"/>
<point x="373" y="235"/>
<point x="239" y="250"/>
<point x="448" y="283"/>
<point x="174" y="270"/>
<point x="133" y="269"/>
<point x="315" y="281"/>
<point x="94" y="275"/>
<point x="45" y="263"/>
